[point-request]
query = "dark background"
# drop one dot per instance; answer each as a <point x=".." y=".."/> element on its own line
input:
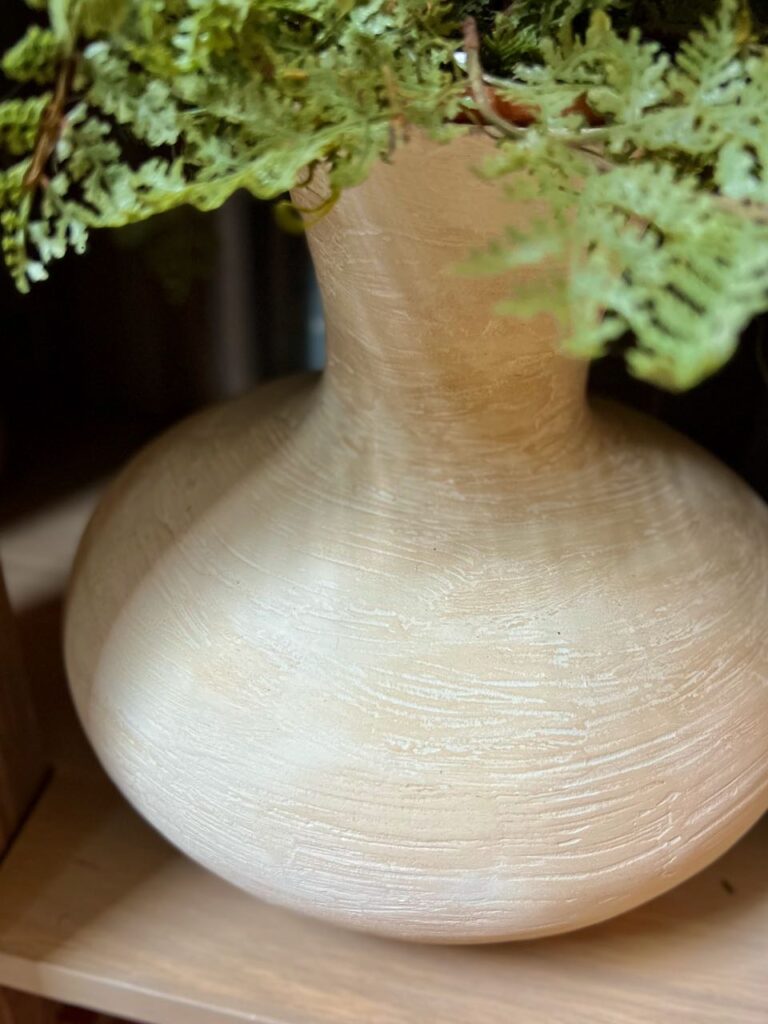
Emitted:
<point x="162" y="318"/>
<point x="150" y="325"/>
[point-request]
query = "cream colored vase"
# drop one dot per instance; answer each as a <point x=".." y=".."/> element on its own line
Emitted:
<point x="428" y="646"/>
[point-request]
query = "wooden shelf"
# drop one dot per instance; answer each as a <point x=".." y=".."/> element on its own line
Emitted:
<point x="97" y="910"/>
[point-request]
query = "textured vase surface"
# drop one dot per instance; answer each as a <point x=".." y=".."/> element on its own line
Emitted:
<point x="427" y="645"/>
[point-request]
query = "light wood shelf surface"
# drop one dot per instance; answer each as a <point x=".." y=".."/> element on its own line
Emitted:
<point x="97" y="910"/>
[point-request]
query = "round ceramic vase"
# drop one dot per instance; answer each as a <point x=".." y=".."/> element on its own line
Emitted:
<point x="428" y="645"/>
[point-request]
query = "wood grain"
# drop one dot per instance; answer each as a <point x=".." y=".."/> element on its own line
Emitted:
<point x="428" y="646"/>
<point x="22" y="765"/>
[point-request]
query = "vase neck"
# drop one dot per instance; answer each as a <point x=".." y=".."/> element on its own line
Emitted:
<point x="419" y="346"/>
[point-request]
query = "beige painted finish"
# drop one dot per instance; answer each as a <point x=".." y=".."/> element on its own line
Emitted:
<point x="427" y="647"/>
<point x="97" y="910"/>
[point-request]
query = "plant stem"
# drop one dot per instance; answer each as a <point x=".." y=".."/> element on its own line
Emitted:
<point x="477" y="83"/>
<point x="50" y="126"/>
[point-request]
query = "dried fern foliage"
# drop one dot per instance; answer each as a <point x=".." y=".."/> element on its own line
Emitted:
<point x="643" y="124"/>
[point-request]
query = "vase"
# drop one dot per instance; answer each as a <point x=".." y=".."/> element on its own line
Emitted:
<point x="428" y="645"/>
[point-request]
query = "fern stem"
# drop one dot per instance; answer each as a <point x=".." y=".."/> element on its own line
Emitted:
<point x="756" y="212"/>
<point x="477" y="83"/>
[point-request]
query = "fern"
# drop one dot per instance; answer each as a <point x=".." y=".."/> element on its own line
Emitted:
<point x="19" y="121"/>
<point x="662" y="262"/>
<point x="34" y="58"/>
<point x="657" y="109"/>
<point x="657" y="244"/>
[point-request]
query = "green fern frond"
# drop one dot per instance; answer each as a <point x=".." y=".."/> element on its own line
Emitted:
<point x="34" y="58"/>
<point x="650" y="136"/>
<point x="19" y="123"/>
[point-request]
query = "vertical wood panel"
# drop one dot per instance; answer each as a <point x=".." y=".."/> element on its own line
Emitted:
<point x="21" y="759"/>
<point x="20" y="1008"/>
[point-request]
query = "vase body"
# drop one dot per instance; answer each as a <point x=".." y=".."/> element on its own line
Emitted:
<point x="427" y="646"/>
